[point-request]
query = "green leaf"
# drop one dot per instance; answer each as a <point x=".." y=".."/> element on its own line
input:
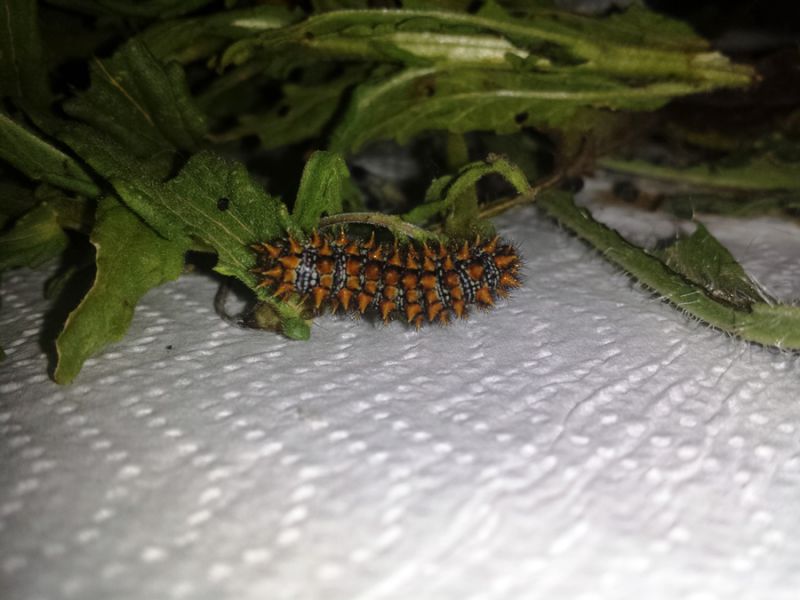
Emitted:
<point x="417" y="100"/>
<point x="144" y="105"/>
<point x="462" y="72"/>
<point x="109" y="158"/>
<point x="704" y="261"/>
<point x="213" y="200"/>
<point x="22" y="69"/>
<point x="413" y="37"/>
<point x="120" y="169"/>
<point x="322" y="189"/>
<point x="545" y="40"/>
<point x="131" y="259"/>
<point x="216" y="202"/>
<point x="40" y="160"/>
<point x="35" y="238"/>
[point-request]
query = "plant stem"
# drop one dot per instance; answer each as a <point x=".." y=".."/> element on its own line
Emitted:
<point x="493" y="209"/>
<point x="391" y="222"/>
<point x="771" y="325"/>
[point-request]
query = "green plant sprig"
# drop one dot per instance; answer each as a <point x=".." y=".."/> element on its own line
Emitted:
<point x="144" y="162"/>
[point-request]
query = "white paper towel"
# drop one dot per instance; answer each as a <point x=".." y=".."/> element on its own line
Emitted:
<point x="582" y="441"/>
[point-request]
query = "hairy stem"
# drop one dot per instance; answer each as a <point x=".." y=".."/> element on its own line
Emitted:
<point x="772" y="325"/>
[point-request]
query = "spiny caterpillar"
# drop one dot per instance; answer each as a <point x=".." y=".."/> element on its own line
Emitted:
<point x="417" y="282"/>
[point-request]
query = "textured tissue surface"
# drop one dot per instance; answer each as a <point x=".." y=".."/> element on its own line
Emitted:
<point x="583" y="441"/>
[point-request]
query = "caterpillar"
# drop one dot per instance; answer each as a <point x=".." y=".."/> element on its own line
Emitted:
<point x="420" y="283"/>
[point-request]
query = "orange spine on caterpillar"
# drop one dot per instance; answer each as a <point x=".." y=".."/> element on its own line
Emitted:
<point x="417" y="282"/>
